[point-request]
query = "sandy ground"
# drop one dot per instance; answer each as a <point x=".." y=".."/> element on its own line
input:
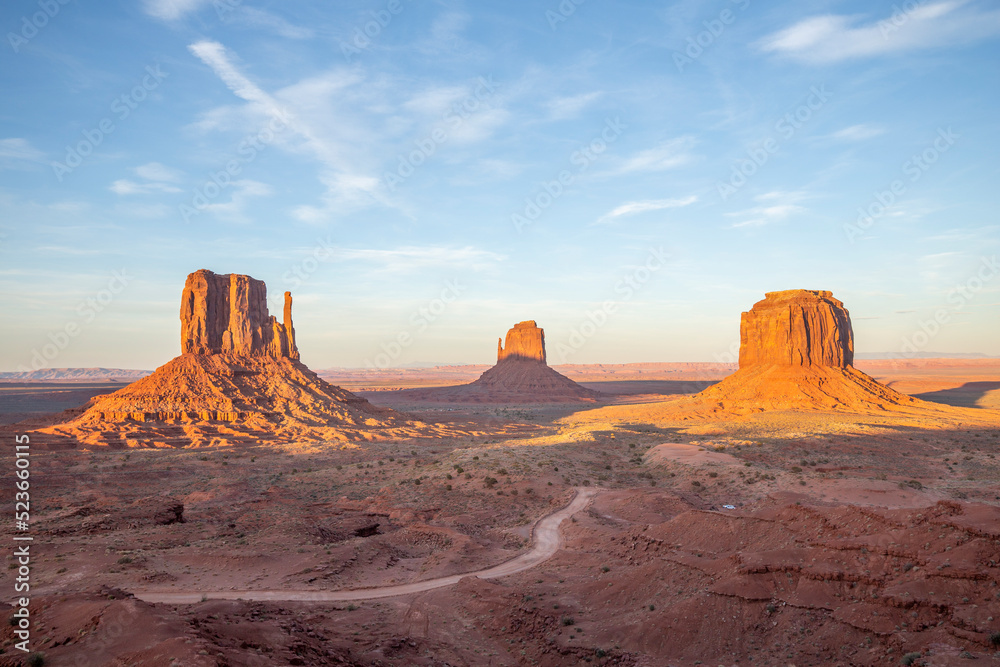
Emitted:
<point x="545" y="542"/>
<point x="776" y="539"/>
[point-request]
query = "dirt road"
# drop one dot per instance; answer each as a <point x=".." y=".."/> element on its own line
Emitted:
<point x="545" y="536"/>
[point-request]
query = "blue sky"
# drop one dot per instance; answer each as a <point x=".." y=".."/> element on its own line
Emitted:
<point x="421" y="176"/>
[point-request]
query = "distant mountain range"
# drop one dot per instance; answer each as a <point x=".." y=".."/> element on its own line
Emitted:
<point x="70" y="374"/>
<point x="131" y="375"/>
<point x="922" y="355"/>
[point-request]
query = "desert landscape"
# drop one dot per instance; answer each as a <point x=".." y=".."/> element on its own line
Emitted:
<point x="381" y="333"/>
<point x="234" y="508"/>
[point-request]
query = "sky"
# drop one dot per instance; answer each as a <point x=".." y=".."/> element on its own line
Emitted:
<point x="423" y="175"/>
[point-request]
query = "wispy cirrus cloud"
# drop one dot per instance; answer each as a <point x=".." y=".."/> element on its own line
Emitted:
<point x="562" y="108"/>
<point x="412" y="258"/>
<point x="633" y="207"/>
<point x="155" y="177"/>
<point x="774" y="207"/>
<point x="346" y="184"/>
<point x="859" y="132"/>
<point x="835" y="37"/>
<point x="259" y="18"/>
<point x="670" y="154"/>
<point x="172" y="10"/>
<point x="16" y="150"/>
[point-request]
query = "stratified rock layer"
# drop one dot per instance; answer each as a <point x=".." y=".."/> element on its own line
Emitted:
<point x="797" y="353"/>
<point x="524" y="341"/>
<point x="797" y="328"/>
<point x="239" y="380"/>
<point x="227" y="314"/>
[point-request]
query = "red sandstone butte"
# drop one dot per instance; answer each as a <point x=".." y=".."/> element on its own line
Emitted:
<point x="238" y="380"/>
<point x="227" y="314"/>
<point x="519" y="376"/>
<point x="797" y="352"/>
<point x="524" y="341"/>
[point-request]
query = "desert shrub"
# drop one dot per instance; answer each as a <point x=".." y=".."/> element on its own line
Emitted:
<point x="770" y="608"/>
<point x="910" y="658"/>
<point x="489" y="482"/>
<point x="995" y="638"/>
<point x="796" y="469"/>
<point x="124" y="560"/>
<point x="567" y="620"/>
<point x="36" y="660"/>
<point x="600" y="653"/>
<point x="605" y="568"/>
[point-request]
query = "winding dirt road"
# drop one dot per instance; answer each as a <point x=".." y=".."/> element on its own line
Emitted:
<point x="545" y="535"/>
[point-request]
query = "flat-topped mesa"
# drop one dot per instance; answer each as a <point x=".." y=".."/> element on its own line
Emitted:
<point x="797" y="328"/>
<point x="524" y="341"/>
<point x="227" y="314"/>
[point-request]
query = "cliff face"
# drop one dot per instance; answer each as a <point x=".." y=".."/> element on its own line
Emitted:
<point x="524" y="341"/>
<point x="797" y="353"/>
<point x="797" y="328"/>
<point x="227" y="314"/>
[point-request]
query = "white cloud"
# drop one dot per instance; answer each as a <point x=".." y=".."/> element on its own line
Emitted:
<point x="321" y="124"/>
<point x="776" y="206"/>
<point x="243" y="190"/>
<point x="157" y="177"/>
<point x="666" y="156"/>
<point x="16" y="149"/>
<point x="258" y="18"/>
<point x="126" y="187"/>
<point x="859" y="132"/>
<point x="633" y="207"/>
<point x="171" y="10"/>
<point x="154" y="171"/>
<point x="562" y="108"/>
<point x="412" y="258"/>
<point x="832" y="37"/>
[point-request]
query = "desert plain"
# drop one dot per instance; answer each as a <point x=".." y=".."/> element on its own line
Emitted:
<point x="615" y="516"/>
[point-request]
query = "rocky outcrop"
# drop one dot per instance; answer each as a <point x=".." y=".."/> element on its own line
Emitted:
<point x="238" y="381"/>
<point x="227" y="314"/>
<point x="524" y="341"/>
<point x="797" y="353"/>
<point x="797" y="328"/>
<point x="520" y="375"/>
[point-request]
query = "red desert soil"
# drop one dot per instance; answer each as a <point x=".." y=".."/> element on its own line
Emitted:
<point x="848" y="524"/>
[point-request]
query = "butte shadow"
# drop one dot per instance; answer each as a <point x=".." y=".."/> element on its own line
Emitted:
<point x="521" y="375"/>
<point x="238" y="380"/>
